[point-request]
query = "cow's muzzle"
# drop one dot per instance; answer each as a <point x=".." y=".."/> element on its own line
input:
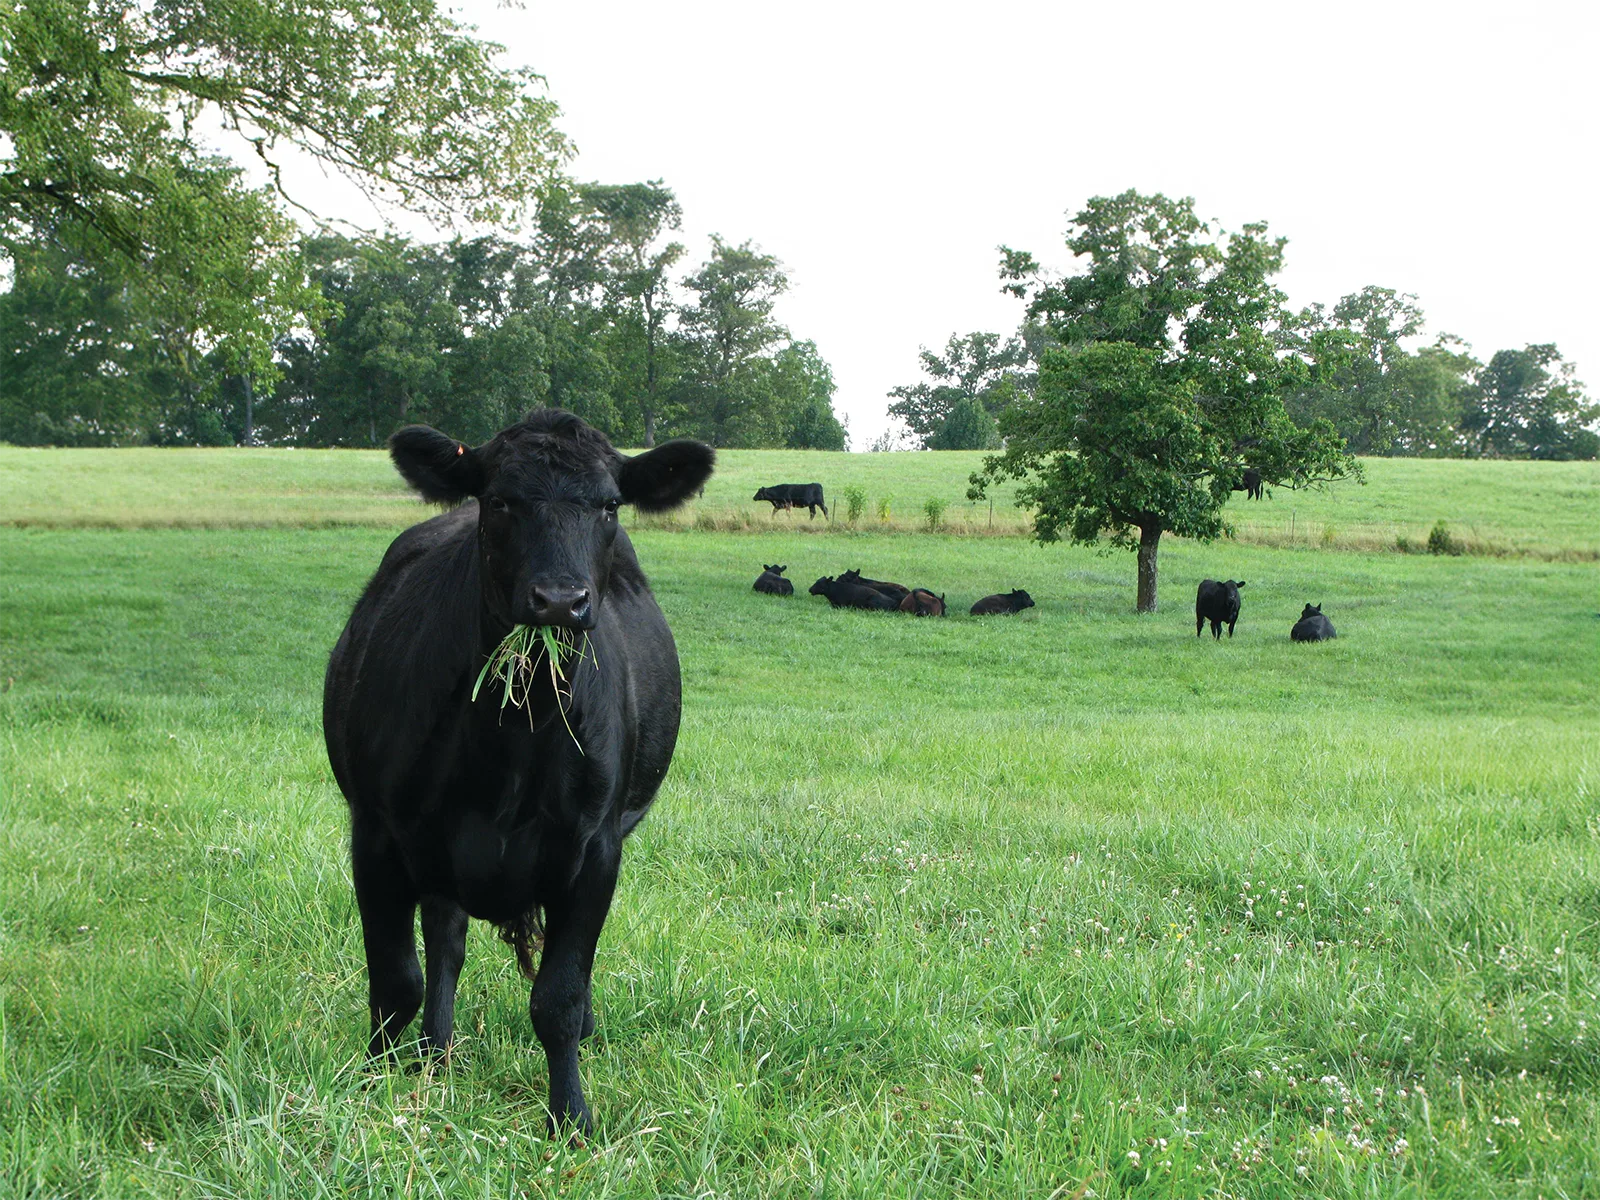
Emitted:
<point x="568" y="607"/>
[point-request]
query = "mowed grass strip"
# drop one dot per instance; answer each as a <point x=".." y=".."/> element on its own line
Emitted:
<point x="1545" y="510"/>
<point x="1037" y="905"/>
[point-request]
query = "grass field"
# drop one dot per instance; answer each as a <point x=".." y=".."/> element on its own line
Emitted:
<point x="1548" y="510"/>
<point x="1060" y="905"/>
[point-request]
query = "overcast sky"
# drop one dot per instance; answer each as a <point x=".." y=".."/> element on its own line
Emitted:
<point x="882" y="152"/>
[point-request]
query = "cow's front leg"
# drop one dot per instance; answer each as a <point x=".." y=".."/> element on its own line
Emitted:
<point x="559" y="1004"/>
<point x="444" y="943"/>
<point x="388" y="909"/>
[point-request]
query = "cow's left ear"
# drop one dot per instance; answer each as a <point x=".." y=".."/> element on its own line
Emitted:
<point x="442" y="469"/>
<point x="665" y="477"/>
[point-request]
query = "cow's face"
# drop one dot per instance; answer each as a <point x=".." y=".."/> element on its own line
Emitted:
<point x="1021" y="600"/>
<point x="821" y="586"/>
<point x="761" y="494"/>
<point x="548" y="490"/>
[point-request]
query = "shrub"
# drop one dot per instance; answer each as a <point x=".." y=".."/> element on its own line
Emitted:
<point x="933" y="510"/>
<point x="855" y="503"/>
<point x="883" y="507"/>
<point x="1442" y="541"/>
<point x="1328" y="534"/>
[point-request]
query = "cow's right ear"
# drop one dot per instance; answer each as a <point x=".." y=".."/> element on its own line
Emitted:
<point x="665" y="477"/>
<point x="441" y="469"/>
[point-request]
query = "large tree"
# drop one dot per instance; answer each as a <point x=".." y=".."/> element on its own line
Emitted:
<point x="1167" y="384"/>
<point x="106" y="112"/>
<point x="1529" y="403"/>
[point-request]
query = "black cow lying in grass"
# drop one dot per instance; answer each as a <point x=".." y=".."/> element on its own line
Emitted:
<point x="852" y="595"/>
<point x="1002" y="604"/>
<point x="1312" y="626"/>
<point x="793" y="495"/>
<point x="464" y="808"/>
<point x="1217" y="603"/>
<point x="922" y="603"/>
<point x="895" y="591"/>
<point x="772" y="582"/>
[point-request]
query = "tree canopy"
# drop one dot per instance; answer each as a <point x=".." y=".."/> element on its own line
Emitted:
<point x="1167" y="383"/>
<point x="976" y="377"/>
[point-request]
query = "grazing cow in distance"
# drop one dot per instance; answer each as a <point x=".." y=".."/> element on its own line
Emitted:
<point x="923" y="603"/>
<point x="772" y="582"/>
<point x="1251" y="484"/>
<point x="1002" y="604"/>
<point x="793" y="495"/>
<point x="851" y="595"/>
<point x="1312" y="626"/>
<point x="895" y="591"/>
<point x="1217" y="603"/>
<point x="469" y="811"/>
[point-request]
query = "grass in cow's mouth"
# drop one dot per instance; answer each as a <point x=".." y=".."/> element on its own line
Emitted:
<point x="515" y="663"/>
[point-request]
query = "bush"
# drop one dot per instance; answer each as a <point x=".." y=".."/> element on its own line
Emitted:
<point x="933" y="510"/>
<point x="1441" y="541"/>
<point x="883" y="507"/>
<point x="1328" y="534"/>
<point x="855" y="503"/>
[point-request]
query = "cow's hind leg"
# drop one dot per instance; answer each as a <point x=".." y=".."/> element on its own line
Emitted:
<point x="388" y="912"/>
<point x="444" y="942"/>
<point x="560" y="1004"/>
<point x="1199" y="624"/>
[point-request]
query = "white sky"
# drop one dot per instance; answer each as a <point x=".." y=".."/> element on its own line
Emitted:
<point x="883" y="151"/>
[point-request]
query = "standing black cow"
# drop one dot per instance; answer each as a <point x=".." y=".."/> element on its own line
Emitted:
<point x="793" y="495"/>
<point x="1312" y="626"/>
<point x="852" y="595"/>
<point x="472" y="812"/>
<point x="1217" y="603"/>
<point x="1251" y="485"/>
<point x="1003" y="604"/>
<point x="895" y="591"/>
<point x="772" y="582"/>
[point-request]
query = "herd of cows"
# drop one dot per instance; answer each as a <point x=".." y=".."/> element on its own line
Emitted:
<point x="854" y="590"/>
<point x="461" y="814"/>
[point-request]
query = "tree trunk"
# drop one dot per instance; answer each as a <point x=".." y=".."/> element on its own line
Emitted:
<point x="1149" y="540"/>
<point x="650" y="327"/>
<point x="249" y="412"/>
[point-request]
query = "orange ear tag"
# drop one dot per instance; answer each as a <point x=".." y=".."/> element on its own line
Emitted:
<point x="460" y="449"/>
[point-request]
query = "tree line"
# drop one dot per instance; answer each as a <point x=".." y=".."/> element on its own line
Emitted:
<point x="1381" y="397"/>
<point x="157" y="295"/>
<point x="586" y="314"/>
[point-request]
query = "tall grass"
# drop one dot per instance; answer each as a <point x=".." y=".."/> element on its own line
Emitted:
<point x="1073" y="901"/>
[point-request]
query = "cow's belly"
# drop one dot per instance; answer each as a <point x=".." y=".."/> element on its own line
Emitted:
<point x="491" y="873"/>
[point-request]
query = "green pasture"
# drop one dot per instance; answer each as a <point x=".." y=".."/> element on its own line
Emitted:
<point x="1060" y="905"/>
<point x="1548" y="510"/>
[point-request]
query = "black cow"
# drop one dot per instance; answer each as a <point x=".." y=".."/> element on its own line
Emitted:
<point x="1312" y="626"/>
<point x="1251" y="485"/>
<point x="851" y="595"/>
<point x="1003" y="604"/>
<point x="1217" y="603"/>
<point x="895" y="591"/>
<point x="473" y="812"/>
<point x="793" y="495"/>
<point x="922" y="603"/>
<point x="772" y="582"/>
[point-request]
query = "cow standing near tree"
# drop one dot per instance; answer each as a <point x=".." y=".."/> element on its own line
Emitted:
<point x="470" y="812"/>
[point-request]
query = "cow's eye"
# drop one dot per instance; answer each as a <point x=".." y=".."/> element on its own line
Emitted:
<point x="612" y="506"/>
<point x="498" y="505"/>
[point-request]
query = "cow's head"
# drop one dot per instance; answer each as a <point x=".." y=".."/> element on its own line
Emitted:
<point x="548" y="489"/>
<point x="822" y="586"/>
<point x="1020" y="600"/>
<point x="761" y="494"/>
<point x="1311" y="610"/>
<point x="773" y="568"/>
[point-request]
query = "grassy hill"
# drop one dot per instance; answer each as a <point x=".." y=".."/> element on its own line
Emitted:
<point x="1549" y="510"/>
<point x="1035" y="906"/>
